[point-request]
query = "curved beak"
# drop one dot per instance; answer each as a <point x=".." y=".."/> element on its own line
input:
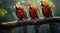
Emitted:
<point x="14" y="6"/>
<point x="29" y="5"/>
<point x="41" y="3"/>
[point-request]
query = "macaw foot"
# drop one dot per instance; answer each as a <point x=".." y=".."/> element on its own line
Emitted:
<point x="34" y="20"/>
<point x="24" y="19"/>
<point x="37" y="19"/>
<point x="50" y="17"/>
<point x="45" y="17"/>
<point x="19" y="20"/>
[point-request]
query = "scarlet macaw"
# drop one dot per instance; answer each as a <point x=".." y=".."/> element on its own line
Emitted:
<point x="21" y="12"/>
<point x="47" y="12"/>
<point x="33" y="11"/>
<point x="46" y="9"/>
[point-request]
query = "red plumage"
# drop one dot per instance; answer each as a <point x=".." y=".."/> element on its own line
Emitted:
<point x="32" y="11"/>
<point x="19" y="13"/>
<point x="46" y="10"/>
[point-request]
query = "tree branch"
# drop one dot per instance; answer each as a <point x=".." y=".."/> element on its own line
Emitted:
<point x="28" y="22"/>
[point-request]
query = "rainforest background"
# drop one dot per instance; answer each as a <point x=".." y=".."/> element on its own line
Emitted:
<point x="7" y="14"/>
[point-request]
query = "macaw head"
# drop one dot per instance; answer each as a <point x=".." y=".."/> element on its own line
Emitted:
<point x="46" y="4"/>
<point x="17" y="6"/>
<point x="31" y="6"/>
<point x="43" y="3"/>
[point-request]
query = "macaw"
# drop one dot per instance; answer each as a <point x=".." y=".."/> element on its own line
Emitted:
<point x="33" y="11"/>
<point x="46" y="9"/>
<point x="47" y="12"/>
<point x="21" y="12"/>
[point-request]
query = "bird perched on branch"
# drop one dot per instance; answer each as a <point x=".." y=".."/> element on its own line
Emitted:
<point x="33" y="11"/>
<point x="21" y="12"/>
<point x="34" y="14"/>
<point x="46" y="9"/>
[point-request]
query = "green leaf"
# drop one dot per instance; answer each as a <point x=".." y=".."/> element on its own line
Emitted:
<point x="0" y="1"/>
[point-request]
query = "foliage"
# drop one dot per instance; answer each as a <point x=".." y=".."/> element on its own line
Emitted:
<point x="0" y="1"/>
<point x="7" y="12"/>
<point x="2" y="13"/>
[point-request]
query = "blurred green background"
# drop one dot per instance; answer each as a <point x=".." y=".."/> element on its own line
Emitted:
<point x="7" y="13"/>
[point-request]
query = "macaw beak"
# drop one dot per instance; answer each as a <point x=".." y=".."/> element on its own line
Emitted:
<point x="29" y="5"/>
<point x="41" y="3"/>
<point x="14" y="7"/>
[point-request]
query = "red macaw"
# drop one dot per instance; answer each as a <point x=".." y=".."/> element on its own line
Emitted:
<point x="46" y="9"/>
<point x="33" y="11"/>
<point x="20" y="12"/>
<point x="47" y="12"/>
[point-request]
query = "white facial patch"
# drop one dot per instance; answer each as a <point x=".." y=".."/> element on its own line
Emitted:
<point x="40" y="3"/>
<point x="14" y="7"/>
